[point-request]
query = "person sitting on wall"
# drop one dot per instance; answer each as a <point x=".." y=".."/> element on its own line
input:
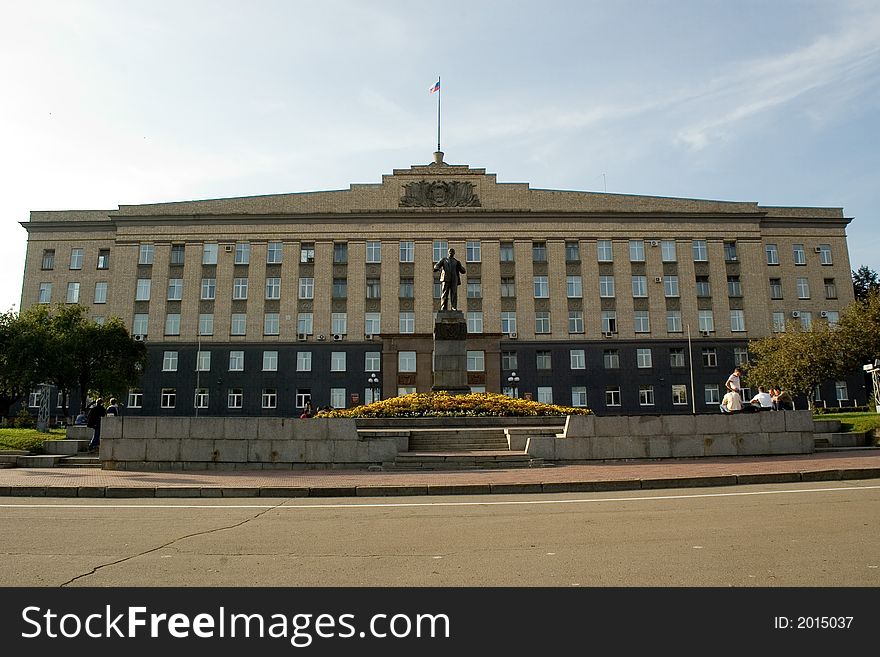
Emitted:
<point x="782" y="400"/>
<point x="80" y="420"/>
<point x="732" y="402"/>
<point x="763" y="399"/>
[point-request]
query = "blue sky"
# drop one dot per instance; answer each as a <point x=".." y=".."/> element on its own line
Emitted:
<point x="106" y="103"/>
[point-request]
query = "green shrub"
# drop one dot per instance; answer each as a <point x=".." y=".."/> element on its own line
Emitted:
<point x="24" y="420"/>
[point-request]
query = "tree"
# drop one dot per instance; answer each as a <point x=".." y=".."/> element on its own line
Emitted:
<point x="859" y="330"/>
<point x="865" y="280"/>
<point x="21" y="348"/>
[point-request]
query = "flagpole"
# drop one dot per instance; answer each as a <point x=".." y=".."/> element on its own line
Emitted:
<point x="439" y="91"/>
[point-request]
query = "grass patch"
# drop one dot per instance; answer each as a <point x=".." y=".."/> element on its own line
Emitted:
<point x="857" y="422"/>
<point x="29" y="439"/>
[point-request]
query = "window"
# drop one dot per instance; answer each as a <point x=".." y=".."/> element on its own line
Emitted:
<point x="509" y="360"/>
<point x="833" y="317"/>
<point x="508" y="322"/>
<point x="45" y="293"/>
<point x="337" y="361"/>
<point x="140" y="323"/>
<point x="406" y="361"/>
<point x="475" y="321"/>
<point x="578" y="396"/>
<point x="474" y="251"/>
<point x="730" y="251"/>
<point x="306" y="288"/>
<point x="240" y="288"/>
<point x="734" y="287"/>
<point x="339" y="323"/>
<point x="407" y="322"/>
<point x="641" y="321"/>
<point x="577" y="359"/>
<point x="304" y="361"/>
<point x="48" y="261"/>
<point x="572" y="252"/>
<point x="824" y="254"/>
<point x="206" y="324"/>
<point x="337" y="397"/>
<point x="740" y="355"/>
<point x="374" y="290"/>
<point x="274" y="253"/>
<point x="437" y="289"/>
<point x="606" y="286"/>
<point x="203" y="361"/>
<point x="545" y="394"/>
<point x="273" y="288"/>
<point x="101" y="292"/>
<point x="643" y="358"/>
<point x="340" y="288"/>
<point x="209" y="254"/>
<point x="670" y="286"/>
<point x="711" y="394"/>
<point x="840" y="391"/>
<point x="539" y="251"/>
<point x="701" y="252"/>
<point x="676" y="357"/>
<point x="406" y="288"/>
<point x="172" y="324"/>
<point x="474" y="288"/>
<point x="637" y="250"/>
<point x="543" y="360"/>
<point x="575" y="321"/>
<point x="372" y="323"/>
<point x="145" y="256"/>
<point x="830" y="289"/>
<point x="235" y="398"/>
<point x="646" y="395"/>
<point x="673" y="321"/>
<point x="803" y="288"/>
<point x="177" y="254"/>
<point x="440" y="249"/>
<point x="667" y="251"/>
<point x="103" y="259"/>
<point x="704" y="289"/>
<point x="407" y="252"/>
<point x="374" y="252"/>
<point x="778" y="322"/>
<point x="209" y="289"/>
<point x="737" y="321"/>
<point x="574" y="287"/>
<point x="270" y="361"/>
<point x="169" y="361"/>
<point x="236" y="361"/>
<point x="340" y="253"/>
<point x="270" y="398"/>
<point x="307" y="252"/>
<point x="798" y="254"/>
<point x="611" y="359"/>
<point x="508" y="286"/>
<point x="304" y="323"/>
<point x="303" y="396"/>
<point x="168" y="398"/>
<point x="373" y="361"/>
<point x="242" y="253"/>
<point x="604" y="251"/>
<point x="175" y="289"/>
<point x="679" y="394"/>
<point x="612" y="395"/>
<point x="706" y="320"/>
<point x="772" y="254"/>
<point x="710" y="357"/>
<point x="775" y="288"/>
<point x="506" y="252"/>
<point x="609" y="321"/>
<point x="135" y="398"/>
<point x="271" y="324"/>
<point x="476" y="361"/>
<point x="73" y="293"/>
<point x="806" y="320"/>
<point x="542" y="287"/>
<point x="238" y="325"/>
<point x="640" y="286"/>
<point x="76" y="258"/>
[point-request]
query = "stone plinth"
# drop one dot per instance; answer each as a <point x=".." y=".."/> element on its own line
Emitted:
<point x="450" y="353"/>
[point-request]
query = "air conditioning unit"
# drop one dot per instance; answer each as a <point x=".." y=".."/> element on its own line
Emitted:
<point x="658" y="279"/>
<point x="705" y="334"/>
<point x="818" y="249"/>
<point x="139" y="337"/>
<point x="321" y="337"/>
<point x="512" y="336"/>
<point x="608" y="334"/>
<point x="338" y="336"/>
<point x="302" y="336"/>
<point x="795" y="313"/>
<point x="655" y="243"/>
<point x="823" y="313"/>
<point x="368" y="336"/>
<point x="228" y="248"/>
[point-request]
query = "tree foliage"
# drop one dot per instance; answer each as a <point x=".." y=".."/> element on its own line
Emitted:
<point x="860" y="330"/>
<point x="865" y="280"/>
<point x="21" y="353"/>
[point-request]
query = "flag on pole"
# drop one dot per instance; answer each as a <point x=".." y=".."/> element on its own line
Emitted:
<point x="436" y="87"/>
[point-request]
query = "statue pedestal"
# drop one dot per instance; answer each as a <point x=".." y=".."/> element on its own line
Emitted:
<point x="450" y="353"/>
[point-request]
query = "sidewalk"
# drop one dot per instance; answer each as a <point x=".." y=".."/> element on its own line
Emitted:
<point x="600" y="476"/>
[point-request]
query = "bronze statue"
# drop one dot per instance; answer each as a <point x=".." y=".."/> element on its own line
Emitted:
<point x="450" y="278"/>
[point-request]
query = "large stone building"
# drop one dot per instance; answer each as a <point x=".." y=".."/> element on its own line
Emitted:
<point x="626" y="304"/>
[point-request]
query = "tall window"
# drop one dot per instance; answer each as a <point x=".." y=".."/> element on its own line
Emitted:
<point x="203" y="361"/>
<point x="506" y="252"/>
<point x="604" y="251"/>
<point x="242" y="253"/>
<point x="307" y="252"/>
<point x="304" y="323"/>
<point x="778" y="322"/>
<point x="374" y="252"/>
<point x="270" y="397"/>
<point x="542" y="287"/>
<point x="676" y="357"/>
<point x="637" y="250"/>
<point x="373" y="361"/>
<point x="474" y="321"/>
<point x="304" y="361"/>
<point x="572" y="252"/>
<point x="803" y="288"/>
<point x="337" y="361"/>
<point x="539" y="251"/>
<point x="474" y="288"/>
<point x="646" y="395"/>
<point x="235" y="398"/>
<point x="172" y="324"/>
<point x="476" y="361"/>
<point x="611" y="359"/>
<point x="270" y="361"/>
<point x="474" y="251"/>
<point x="643" y="358"/>
<point x="830" y="288"/>
<point x="542" y="321"/>
<point x="206" y="324"/>
<point x="574" y="288"/>
<point x="706" y="320"/>
<point x="641" y="321"/>
<point x="406" y="361"/>
<point x="271" y="324"/>
<point x="340" y="253"/>
<point x="337" y="397"/>
<point x="710" y="357"/>
<point x="101" y="292"/>
<point x="667" y="251"/>
<point x="339" y="323"/>
<point x="73" y="293"/>
<point x="609" y="321"/>
<point x="104" y="259"/>
<point x="575" y="321"/>
<point x="734" y="287"/>
<point x="340" y="288"/>
<point x="273" y="288"/>
<point x="612" y="395"/>
<point x="168" y="398"/>
<point x="508" y="286"/>
<point x="209" y="289"/>
<point x="440" y="248"/>
<point x="407" y="251"/>
<point x="730" y="251"/>
<point x="772" y="254"/>
<point x="701" y="251"/>
<point x="824" y="254"/>
<point x="606" y="286"/>
<point x="703" y="287"/>
<point x="737" y="321"/>
<point x="372" y="322"/>
<point x="240" y="288"/>
<point x="274" y="253"/>
<point x="407" y="321"/>
<point x="640" y="286"/>
<point x="175" y="289"/>
<point x="145" y="254"/>
<point x="236" y="361"/>
<point x="76" y="258"/>
<point x="178" y="252"/>
<point x="673" y="321"/>
<point x="45" y="293"/>
<point x="238" y="324"/>
<point x="307" y="288"/>
<point x="209" y="254"/>
<point x="374" y="288"/>
<point x="578" y="396"/>
<point x="578" y="359"/>
<point x="140" y="323"/>
<point x="775" y="288"/>
<point x="798" y="254"/>
<point x="711" y="394"/>
<point x="509" y="360"/>
<point x="508" y="322"/>
<point x="169" y="361"/>
<point x="543" y="359"/>
<point x="679" y="394"/>
<point x="670" y="286"/>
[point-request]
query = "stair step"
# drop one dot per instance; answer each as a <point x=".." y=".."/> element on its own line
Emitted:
<point x="39" y="461"/>
<point x="65" y="446"/>
<point x="81" y="461"/>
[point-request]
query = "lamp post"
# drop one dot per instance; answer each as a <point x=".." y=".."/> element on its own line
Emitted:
<point x="373" y="382"/>
<point x="513" y="382"/>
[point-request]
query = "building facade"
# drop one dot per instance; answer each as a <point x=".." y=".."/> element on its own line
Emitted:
<point x="626" y="304"/>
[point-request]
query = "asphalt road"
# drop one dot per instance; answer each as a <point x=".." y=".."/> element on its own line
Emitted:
<point x="806" y="534"/>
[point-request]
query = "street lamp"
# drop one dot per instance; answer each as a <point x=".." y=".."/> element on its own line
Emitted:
<point x="373" y="382"/>
<point x="513" y="381"/>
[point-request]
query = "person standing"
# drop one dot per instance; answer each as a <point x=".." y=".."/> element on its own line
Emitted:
<point x="113" y="408"/>
<point x="450" y="278"/>
<point x="93" y="420"/>
<point x="733" y="381"/>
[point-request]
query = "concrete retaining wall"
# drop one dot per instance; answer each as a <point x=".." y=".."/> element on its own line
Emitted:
<point x="218" y="443"/>
<point x="588" y="437"/>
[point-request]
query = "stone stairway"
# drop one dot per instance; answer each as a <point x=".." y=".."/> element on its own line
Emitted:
<point x="461" y="449"/>
<point x="455" y="440"/>
<point x="58" y="453"/>
<point x="829" y="437"/>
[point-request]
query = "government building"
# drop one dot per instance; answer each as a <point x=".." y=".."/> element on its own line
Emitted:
<point x="626" y="304"/>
